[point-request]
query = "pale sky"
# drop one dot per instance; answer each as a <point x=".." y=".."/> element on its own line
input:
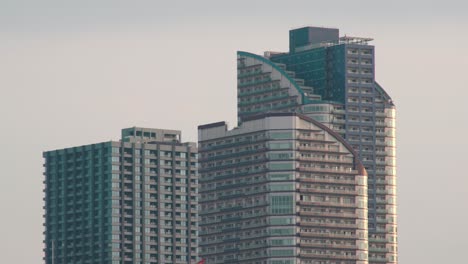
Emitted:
<point x="76" y="72"/>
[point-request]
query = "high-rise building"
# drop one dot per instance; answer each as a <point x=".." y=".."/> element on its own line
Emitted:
<point x="332" y="80"/>
<point x="281" y="188"/>
<point x="121" y="202"/>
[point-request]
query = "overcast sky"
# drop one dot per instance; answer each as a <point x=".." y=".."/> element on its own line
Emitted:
<point x="76" y="72"/>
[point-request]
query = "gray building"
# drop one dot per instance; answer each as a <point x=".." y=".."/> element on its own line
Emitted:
<point x="121" y="202"/>
<point x="281" y="188"/>
<point x="332" y="80"/>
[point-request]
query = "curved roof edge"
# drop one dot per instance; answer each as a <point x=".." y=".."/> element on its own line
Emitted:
<point x="381" y="90"/>
<point x="358" y="163"/>
<point x="272" y="64"/>
<point x="339" y="138"/>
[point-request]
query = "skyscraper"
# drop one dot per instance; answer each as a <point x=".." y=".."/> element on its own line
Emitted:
<point x="332" y="80"/>
<point x="281" y="188"/>
<point x="121" y="202"/>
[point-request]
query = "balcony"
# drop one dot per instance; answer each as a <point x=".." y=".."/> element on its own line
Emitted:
<point x="377" y="260"/>
<point x="261" y="91"/>
<point x="328" y="204"/>
<point x="328" y="256"/>
<point x="335" y="161"/>
<point x="264" y="99"/>
<point x="333" y="225"/>
<point x="380" y="250"/>
<point x="378" y="240"/>
<point x="336" y="171"/>
<point x="315" y="180"/>
<point x="256" y="71"/>
<point x="255" y="82"/>
<point x="328" y="191"/>
<point x="310" y="148"/>
<point x="325" y="214"/>
<point x="335" y="246"/>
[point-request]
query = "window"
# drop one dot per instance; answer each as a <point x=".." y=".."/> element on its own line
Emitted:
<point x="280" y="155"/>
<point x="281" y="166"/>
<point x="282" y="231"/>
<point x="281" y="221"/>
<point x="282" y="187"/>
<point x="280" y="145"/>
<point x="281" y="177"/>
<point x="282" y="204"/>
<point x="281" y="135"/>
<point x="281" y="242"/>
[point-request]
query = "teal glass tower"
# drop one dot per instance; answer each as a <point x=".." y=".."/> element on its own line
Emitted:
<point x="120" y="202"/>
<point x="332" y="80"/>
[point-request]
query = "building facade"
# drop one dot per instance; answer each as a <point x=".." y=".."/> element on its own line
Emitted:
<point x="281" y="188"/>
<point x="332" y="80"/>
<point x="120" y="202"/>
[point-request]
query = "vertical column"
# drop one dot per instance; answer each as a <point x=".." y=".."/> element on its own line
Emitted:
<point x="174" y="197"/>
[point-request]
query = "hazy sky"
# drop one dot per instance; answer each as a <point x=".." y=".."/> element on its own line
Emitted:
<point x="76" y="72"/>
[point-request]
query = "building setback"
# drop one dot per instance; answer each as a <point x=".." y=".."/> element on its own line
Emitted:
<point x="332" y="80"/>
<point x="121" y="202"/>
<point x="281" y="188"/>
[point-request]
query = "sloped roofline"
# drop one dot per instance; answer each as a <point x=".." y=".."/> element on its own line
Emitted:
<point x="272" y="64"/>
<point x="381" y="90"/>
